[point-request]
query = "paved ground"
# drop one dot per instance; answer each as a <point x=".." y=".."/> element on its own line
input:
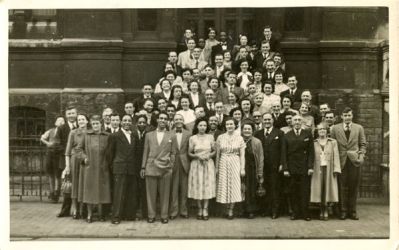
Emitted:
<point x="37" y="221"/>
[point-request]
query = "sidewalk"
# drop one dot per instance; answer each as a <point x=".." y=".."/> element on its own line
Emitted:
<point x="37" y="221"/>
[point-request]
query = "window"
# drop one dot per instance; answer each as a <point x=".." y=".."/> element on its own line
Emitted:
<point x="294" y="19"/>
<point x="26" y="126"/>
<point x="147" y="20"/>
<point x="33" y="24"/>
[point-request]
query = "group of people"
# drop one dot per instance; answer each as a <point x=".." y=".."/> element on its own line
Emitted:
<point x="210" y="129"/>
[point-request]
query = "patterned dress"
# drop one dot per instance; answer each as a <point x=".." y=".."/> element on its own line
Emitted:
<point x="229" y="180"/>
<point x="202" y="177"/>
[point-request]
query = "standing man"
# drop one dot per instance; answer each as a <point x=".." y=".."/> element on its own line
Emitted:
<point x="219" y="109"/>
<point x="352" y="148"/>
<point x="62" y="134"/>
<point x="274" y="150"/>
<point x="219" y="66"/>
<point x="121" y="152"/>
<point x="223" y="45"/>
<point x="147" y="94"/>
<point x="293" y="92"/>
<point x="263" y="55"/>
<point x="298" y="164"/>
<point x="178" y="201"/>
<point x="107" y="120"/>
<point x="196" y="62"/>
<point x="278" y="117"/>
<point x="231" y="87"/>
<point x="185" y="56"/>
<point x="129" y="109"/>
<point x="269" y="71"/>
<point x="158" y="161"/>
<point x="271" y="39"/>
<point x="115" y="122"/>
<point x="172" y="59"/>
<point x="210" y="102"/>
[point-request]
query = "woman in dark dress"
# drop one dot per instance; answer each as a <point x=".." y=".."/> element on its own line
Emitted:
<point x="253" y="168"/>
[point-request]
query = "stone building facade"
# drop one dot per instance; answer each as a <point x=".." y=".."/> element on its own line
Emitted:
<point x="97" y="58"/>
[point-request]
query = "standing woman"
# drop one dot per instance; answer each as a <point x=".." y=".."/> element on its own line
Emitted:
<point x="96" y="184"/>
<point x="233" y="103"/>
<point x="73" y="159"/>
<point x="286" y="104"/>
<point x="237" y="114"/>
<point x="307" y="119"/>
<point x="230" y="166"/>
<point x="324" y="186"/>
<point x="209" y="43"/>
<point x="227" y="59"/>
<point x="214" y="84"/>
<point x="165" y="93"/>
<point x="202" y="177"/>
<point x="253" y="168"/>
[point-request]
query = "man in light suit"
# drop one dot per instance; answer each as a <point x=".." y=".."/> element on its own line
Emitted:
<point x="298" y="165"/>
<point x="186" y="56"/>
<point x="178" y="201"/>
<point x="121" y="153"/>
<point x="231" y="82"/>
<point x="158" y="162"/>
<point x="352" y="148"/>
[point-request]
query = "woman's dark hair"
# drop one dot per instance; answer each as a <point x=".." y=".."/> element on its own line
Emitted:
<point x="289" y="98"/>
<point x="185" y="70"/>
<point x="179" y="107"/>
<point x="162" y="81"/>
<point x="268" y="81"/>
<point x="199" y="85"/>
<point x="142" y="116"/>
<point x="236" y="96"/>
<point x="221" y="76"/>
<point x="251" y="107"/>
<point x="213" y="78"/>
<point x="168" y="73"/>
<point x="250" y="123"/>
<point x="202" y="119"/>
<point x="96" y="118"/>
<point x="172" y="94"/>
<point x="234" y="110"/>
<point x="210" y="29"/>
<point x="230" y="118"/>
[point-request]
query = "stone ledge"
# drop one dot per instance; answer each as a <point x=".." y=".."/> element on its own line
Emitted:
<point x="28" y="91"/>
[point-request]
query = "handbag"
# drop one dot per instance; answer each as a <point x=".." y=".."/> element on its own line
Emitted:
<point x="66" y="186"/>
<point x="261" y="191"/>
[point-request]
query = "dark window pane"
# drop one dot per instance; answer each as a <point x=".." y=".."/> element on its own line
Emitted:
<point x="294" y="19"/>
<point x="231" y="11"/>
<point x="248" y="28"/>
<point x="147" y="20"/>
<point x="192" y="25"/>
<point x="208" y="24"/>
<point x="192" y="11"/>
<point x="231" y="29"/>
<point x="209" y="11"/>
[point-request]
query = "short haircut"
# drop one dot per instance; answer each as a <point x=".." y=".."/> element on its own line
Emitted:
<point x="198" y="107"/>
<point x="269" y="60"/>
<point x="128" y="102"/>
<point x="202" y="119"/>
<point x="171" y="106"/>
<point x="265" y="42"/>
<point x="324" y="103"/>
<point x="290" y="113"/>
<point x="250" y="123"/>
<point x="70" y="107"/>
<point x="124" y="116"/>
<point x="347" y="110"/>
<point x="329" y="112"/>
<point x="142" y="116"/>
<point x="161" y="113"/>
<point x="219" y="54"/>
<point x="188" y="40"/>
<point x="230" y="118"/>
<point x="147" y="85"/>
<point x="95" y="118"/>
<point x="169" y="72"/>
<point x="115" y="114"/>
<point x="187" y="69"/>
<point x="267" y="27"/>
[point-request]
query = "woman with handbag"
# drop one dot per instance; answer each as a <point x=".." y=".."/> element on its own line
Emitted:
<point x="96" y="181"/>
<point x="73" y="159"/>
<point x="253" y="179"/>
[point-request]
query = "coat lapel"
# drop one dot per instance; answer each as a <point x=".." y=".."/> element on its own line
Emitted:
<point x="122" y="136"/>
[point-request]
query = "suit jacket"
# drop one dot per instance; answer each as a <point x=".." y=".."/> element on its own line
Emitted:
<point x="140" y="143"/>
<point x="217" y="133"/>
<point x="158" y="159"/>
<point x="258" y="61"/>
<point x="121" y="154"/>
<point x="218" y="49"/>
<point x="280" y="121"/>
<point x="221" y="125"/>
<point x="354" y="147"/>
<point x="224" y="94"/>
<point x="183" y="59"/>
<point x="62" y="135"/>
<point x="139" y="102"/>
<point x="201" y="100"/>
<point x="160" y="95"/>
<point x="274" y="43"/>
<point x="273" y="149"/>
<point x="265" y="77"/>
<point x="209" y="112"/>
<point x="295" y="98"/>
<point x="182" y="152"/>
<point x="299" y="152"/>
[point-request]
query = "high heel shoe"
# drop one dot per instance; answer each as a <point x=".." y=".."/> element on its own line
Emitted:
<point x="326" y="215"/>
<point x="205" y="215"/>
<point x="89" y="219"/>
<point x="230" y="214"/>
<point x="199" y="215"/>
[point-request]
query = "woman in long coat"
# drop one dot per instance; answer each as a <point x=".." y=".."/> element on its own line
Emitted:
<point x="96" y="184"/>
<point x="253" y="168"/>
<point x="324" y="187"/>
<point x="73" y="160"/>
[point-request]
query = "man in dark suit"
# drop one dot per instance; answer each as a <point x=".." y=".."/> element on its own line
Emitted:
<point x="209" y="106"/>
<point x="213" y="127"/>
<point x="121" y="154"/>
<point x="115" y="122"/>
<point x="278" y="117"/>
<point x="172" y="59"/>
<point x="107" y="120"/>
<point x="274" y="150"/>
<point x="139" y="132"/>
<point x="218" y="65"/>
<point x="298" y="164"/>
<point x="223" y="45"/>
<point x="293" y="92"/>
<point x="243" y="55"/>
<point x="306" y="97"/>
<point x="129" y="109"/>
<point x="270" y="38"/>
<point x="220" y="116"/>
<point x="62" y="135"/>
<point x="178" y="201"/>
<point x="269" y="71"/>
<point x="158" y="162"/>
<point x="352" y="148"/>
<point x="231" y="87"/>
<point x="263" y="55"/>
<point x="147" y="94"/>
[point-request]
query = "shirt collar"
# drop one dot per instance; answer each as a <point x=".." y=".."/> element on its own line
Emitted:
<point x="350" y="125"/>
<point x="126" y="131"/>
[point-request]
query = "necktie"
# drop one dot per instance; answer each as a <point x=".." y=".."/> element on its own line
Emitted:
<point x="196" y="64"/>
<point x="292" y="92"/>
<point x="232" y="88"/>
<point x="178" y="130"/>
<point x="219" y="119"/>
<point x="347" y="131"/>
<point x="297" y="132"/>
<point x="267" y="133"/>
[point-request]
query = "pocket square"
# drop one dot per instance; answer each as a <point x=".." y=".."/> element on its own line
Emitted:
<point x="275" y="138"/>
<point x="306" y="139"/>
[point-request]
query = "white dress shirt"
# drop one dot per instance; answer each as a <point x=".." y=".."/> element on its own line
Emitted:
<point x="160" y="135"/>
<point x="128" y="135"/>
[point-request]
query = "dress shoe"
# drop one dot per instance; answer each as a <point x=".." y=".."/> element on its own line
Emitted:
<point x="205" y="215"/>
<point x="353" y="217"/>
<point x="342" y="216"/>
<point x="62" y="214"/>
<point x="185" y="216"/>
<point x="274" y="216"/>
<point x="172" y="217"/>
<point x="307" y="218"/>
<point x="164" y="221"/>
<point x="151" y="220"/>
<point x="76" y="216"/>
<point x="115" y="221"/>
<point x="251" y="216"/>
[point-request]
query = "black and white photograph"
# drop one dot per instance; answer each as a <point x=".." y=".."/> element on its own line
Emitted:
<point x="201" y="123"/>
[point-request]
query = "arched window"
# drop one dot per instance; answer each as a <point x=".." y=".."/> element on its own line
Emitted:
<point x="26" y="125"/>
